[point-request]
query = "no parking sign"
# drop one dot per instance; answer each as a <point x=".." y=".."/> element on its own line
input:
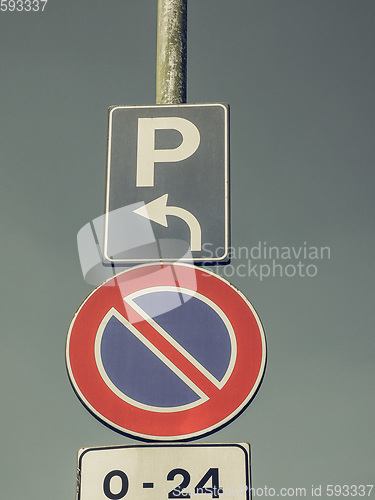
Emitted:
<point x="168" y="352"/>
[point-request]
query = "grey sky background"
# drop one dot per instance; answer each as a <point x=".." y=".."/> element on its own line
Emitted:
<point x="299" y="77"/>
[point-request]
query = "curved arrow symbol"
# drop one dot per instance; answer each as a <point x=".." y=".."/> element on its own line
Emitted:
<point x="157" y="211"/>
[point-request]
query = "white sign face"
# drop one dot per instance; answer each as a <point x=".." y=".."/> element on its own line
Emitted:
<point x="168" y="177"/>
<point x="164" y="471"/>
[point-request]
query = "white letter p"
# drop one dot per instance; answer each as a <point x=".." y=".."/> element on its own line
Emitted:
<point x="147" y="155"/>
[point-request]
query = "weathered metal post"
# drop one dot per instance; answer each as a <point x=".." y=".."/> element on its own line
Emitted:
<point x="171" y="60"/>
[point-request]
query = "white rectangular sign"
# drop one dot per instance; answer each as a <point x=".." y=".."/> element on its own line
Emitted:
<point x="164" y="471"/>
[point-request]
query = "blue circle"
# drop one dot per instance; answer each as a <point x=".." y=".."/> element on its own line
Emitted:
<point x="140" y="374"/>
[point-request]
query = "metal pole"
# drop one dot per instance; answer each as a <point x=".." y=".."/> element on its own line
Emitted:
<point x="171" y="59"/>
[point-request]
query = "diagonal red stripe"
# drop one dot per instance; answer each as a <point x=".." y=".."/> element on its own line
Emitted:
<point x="175" y="356"/>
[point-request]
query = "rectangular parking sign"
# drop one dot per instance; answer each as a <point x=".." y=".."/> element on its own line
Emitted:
<point x="167" y="189"/>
